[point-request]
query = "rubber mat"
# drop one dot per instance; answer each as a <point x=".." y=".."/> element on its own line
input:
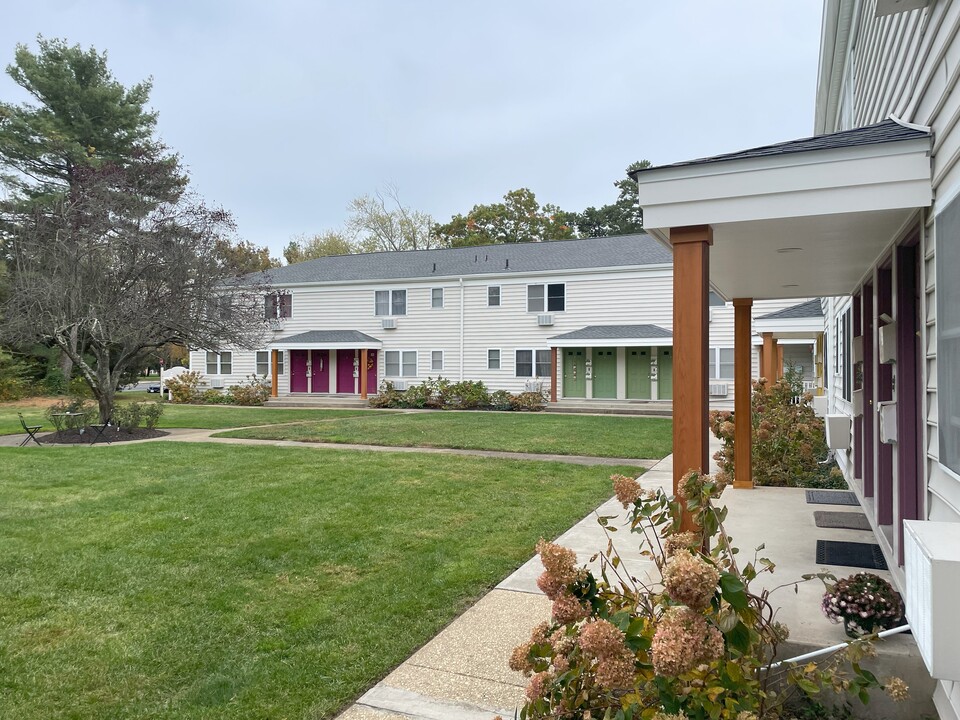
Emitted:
<point x="847" y="520"/>
<point x="831" y="497"/>
<point x="850" y="554"/>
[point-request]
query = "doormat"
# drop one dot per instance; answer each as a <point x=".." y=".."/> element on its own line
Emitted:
<point x="831" y="497"/>
<point x="848" y="520"/>
<point x="850" y="554"/>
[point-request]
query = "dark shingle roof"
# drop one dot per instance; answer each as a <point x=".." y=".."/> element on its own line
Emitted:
<point x="329" y="336"/>
<point x="615" y="332"/>
<point x="519" y="258"/>
<point x="808" y="309"/>
<point x="883" y="132"/>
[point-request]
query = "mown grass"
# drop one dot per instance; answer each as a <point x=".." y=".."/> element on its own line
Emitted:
<point x="169" y="580"/>
<point x="597" y="436"/>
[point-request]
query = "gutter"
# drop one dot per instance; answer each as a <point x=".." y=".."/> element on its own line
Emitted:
<point x="461" y="329"/>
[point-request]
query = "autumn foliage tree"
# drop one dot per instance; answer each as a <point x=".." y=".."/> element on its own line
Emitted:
<point x="518" y="219"/>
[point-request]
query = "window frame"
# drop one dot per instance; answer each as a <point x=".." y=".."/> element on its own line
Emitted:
<point x="257" y="362"/>
<point x="499" y="353"/>
<point x="391" y="304"/>
<point x="433" y="364"/>
<point x="548" y="301"/>
<point x="499" y="289"/>
<point x="433" y="298"/>
<point x="536" y="363"/>
<point x="278" y="305"/>
<point x="401" y="363"/>
<point x="716" y="363"/>
<point x="947" y="242"/>
<point x="218" y="362"/>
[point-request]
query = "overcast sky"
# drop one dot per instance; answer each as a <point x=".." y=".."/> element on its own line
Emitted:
<point x="284" y="111"/>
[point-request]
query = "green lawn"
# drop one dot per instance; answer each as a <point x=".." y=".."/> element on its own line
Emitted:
<point x="169" y="580"/>
<point x="210" y="417"/>
<point x="599" y="436"/>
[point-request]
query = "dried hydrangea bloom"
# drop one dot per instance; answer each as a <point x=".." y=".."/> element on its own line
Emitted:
<point x="601" y="638"/>
<point x="559" y="562"/>
<point x="897" y="689"/>
<point x="551" y="586"/>
<point x="690" y="580"/>
<point x="562" y="643"/>
<point x="680" y="541"/>
<point x="539" y="685"/>
<point x="683" y="640"/>
<point x="689" y="485"/>
<point x="627" y="489"/>
<point x="538" y="635"/>
<point x="520" y="659"/>
<point x="568" y="609"/>
<point x="617" y="673"/>
<point x="669" y="716"/>
<point x="746" y="715"/>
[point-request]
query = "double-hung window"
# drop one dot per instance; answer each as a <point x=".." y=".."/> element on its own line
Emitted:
<point x="390" y="302"/>
<point x="219" y="363"/>
<point x="263" y="362"/>
<point x="436" y="360"/>
<point x="721" y="364"/>
<point x="546" y="298"/>
<point x="277" y="306"/>
<point x="400" y="363"/>
<point x="493" y="359"/>
<point x="533" y="363"/>
<point x="436" y="298"/>
<point x="493" y="296"/>
<point x="842" y="354"/>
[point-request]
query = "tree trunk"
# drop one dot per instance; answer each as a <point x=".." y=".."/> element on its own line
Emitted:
<point x="66" y="361"/>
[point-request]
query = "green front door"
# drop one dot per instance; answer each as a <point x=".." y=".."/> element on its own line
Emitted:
<point x="574" y="373"/>
<point x="665" y="379"/>
<point x="638" y="373"/>
<point x="604" y="372"/>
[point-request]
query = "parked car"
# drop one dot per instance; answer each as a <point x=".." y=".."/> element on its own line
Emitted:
<point x="153" y="388"/>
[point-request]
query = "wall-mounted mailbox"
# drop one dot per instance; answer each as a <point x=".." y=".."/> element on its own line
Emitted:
<point x="838" y="432"/>
<point x="857" y="402"/>
<point x="856" y="349"/>
<point x="820" y="405"/>
<point x="888" y="421"/>
<point x="888" y="343"/>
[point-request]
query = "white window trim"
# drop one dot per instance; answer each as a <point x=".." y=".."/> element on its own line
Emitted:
<point x="442" y="298"/>
<point x="715" y="352"/>
<point x="534" y="352"/>
<point x="390" y="292"/>
<point x="546" y="298"/>
<point x="256" y="362"/>
<point x="443" y="360"/>
<point x="401" y="351"/>
<point x="499" y="359"/>
<point x="206" y="362"/>
<point x="499" y="296"/>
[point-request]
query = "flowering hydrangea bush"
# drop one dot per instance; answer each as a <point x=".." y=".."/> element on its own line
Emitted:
<point x="697" y="644"/>
<point x="865" y="603"/>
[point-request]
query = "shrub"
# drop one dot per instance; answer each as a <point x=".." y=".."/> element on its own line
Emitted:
<point x="55" y="413"/>
<point x="14" y="377"/>
<point x="254" y="390"/>
<point x="128" y="416"/>
<point x="864" y="603"/>
<point x="151" y="414"/>
<point x="698" y="642"/>
<point x="789" y="440"/>
<point x="80" y="388"/>
<point x="388" y="397"/>
<point x="55" y="383"/>
<point x="417" y="396"/>
<point x="212" y="397"/>
<point x="469" y="395"/>
<point x="501" y="400"/>
<point x="530" y="400"/>
<point x="185" y="387"/>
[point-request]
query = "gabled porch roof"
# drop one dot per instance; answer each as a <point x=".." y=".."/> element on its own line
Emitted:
<point x="798" y="321"/>
<point x="802" y="218"/>
<point x="615" y="336"/>
<point x="327" y="340"/>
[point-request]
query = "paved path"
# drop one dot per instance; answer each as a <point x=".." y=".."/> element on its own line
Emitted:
<point x="190" y="435"/>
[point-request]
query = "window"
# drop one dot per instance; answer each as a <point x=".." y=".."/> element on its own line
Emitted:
<point x="401" y="363"/>
<point x="219" y="363"/>
<point x="391" y="302"/>
<point x="842" y="355"/>
<point x="493" y="359"/>
<point x="721" y="364"/>
<point x="436" y="360"/>
<point x="551" y="298"/>
<point x="277" y="306"/>
<point x="948" y="335"/>
<point x="533" y="363"/>
<point x="436" y="298"/>
<point x="493" y="296"/>
<point x="263" y="362"/>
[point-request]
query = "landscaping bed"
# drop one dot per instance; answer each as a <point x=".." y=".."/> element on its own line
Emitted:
<point x="75" y="437"/>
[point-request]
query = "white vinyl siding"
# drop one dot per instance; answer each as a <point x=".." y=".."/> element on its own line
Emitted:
<point x="400" y="363"/>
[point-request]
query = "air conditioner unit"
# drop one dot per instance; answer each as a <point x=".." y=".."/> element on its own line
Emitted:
<point x="399" y="384"/>
<point x="838" y="432"/>
<point x="216" y="383"/>
<point x="718" y="389"/>
<point x="544" y="320"/>
<point x="931" y="560"/>
<point x="389" y="323"/>
<point x="533" y="386"/>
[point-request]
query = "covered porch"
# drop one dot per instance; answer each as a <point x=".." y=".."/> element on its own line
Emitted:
<point x="793" y="338"/>
<point x="326" y="362"/>
<point x="835" y="216"/>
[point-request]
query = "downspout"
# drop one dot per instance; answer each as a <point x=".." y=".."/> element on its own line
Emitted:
<point x="461" y="329"/>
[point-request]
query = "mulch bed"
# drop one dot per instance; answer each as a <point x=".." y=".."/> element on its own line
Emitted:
<point x="73" y="437"/>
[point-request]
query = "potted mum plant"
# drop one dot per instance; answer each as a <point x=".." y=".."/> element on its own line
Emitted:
<point x="865" y="603"/>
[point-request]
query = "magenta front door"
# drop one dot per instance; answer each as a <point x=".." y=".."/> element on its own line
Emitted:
<point x="345" y="379"/>
<point x="372" y="371"/>
<point x="320" y="371"/>
<point x="298" y="371"/>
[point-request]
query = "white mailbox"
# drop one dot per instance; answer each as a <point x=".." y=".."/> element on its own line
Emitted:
<point x="888" y="421"/>
<point x="838" y="432"/>
<point x="888" y="343"/>
<point x="931" y="554"/>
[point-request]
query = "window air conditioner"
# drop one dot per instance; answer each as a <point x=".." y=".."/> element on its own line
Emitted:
<point x="216" y="383"/>
<point x="533" y="386"/>
<point x="718" y="389"/>
<point x="399" y="384"/>
<point x="389" y="323"/>
<point x="544" y="320"/>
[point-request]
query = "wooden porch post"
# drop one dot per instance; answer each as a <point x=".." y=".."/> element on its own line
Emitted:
<point x="743" y="420"/>
<point x="769" y="357"/>
<point x="363" y="374"/>
<point x="691" y="340"/>
<point x="779" y="359"/>
<point x="553" y="374"/>
<point x="273" y="372"/>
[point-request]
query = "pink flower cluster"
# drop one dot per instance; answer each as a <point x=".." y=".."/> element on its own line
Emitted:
<point x="690" y="580"/>
<point x="560" y="570"/>
<point x="602" y="640"/>
<point x="680" y="541"/>
<point x="627" y="489"/>
<point x="683" y="640"/>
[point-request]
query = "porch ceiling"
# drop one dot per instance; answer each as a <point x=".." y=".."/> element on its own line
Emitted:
<point x="799" y="219"/>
